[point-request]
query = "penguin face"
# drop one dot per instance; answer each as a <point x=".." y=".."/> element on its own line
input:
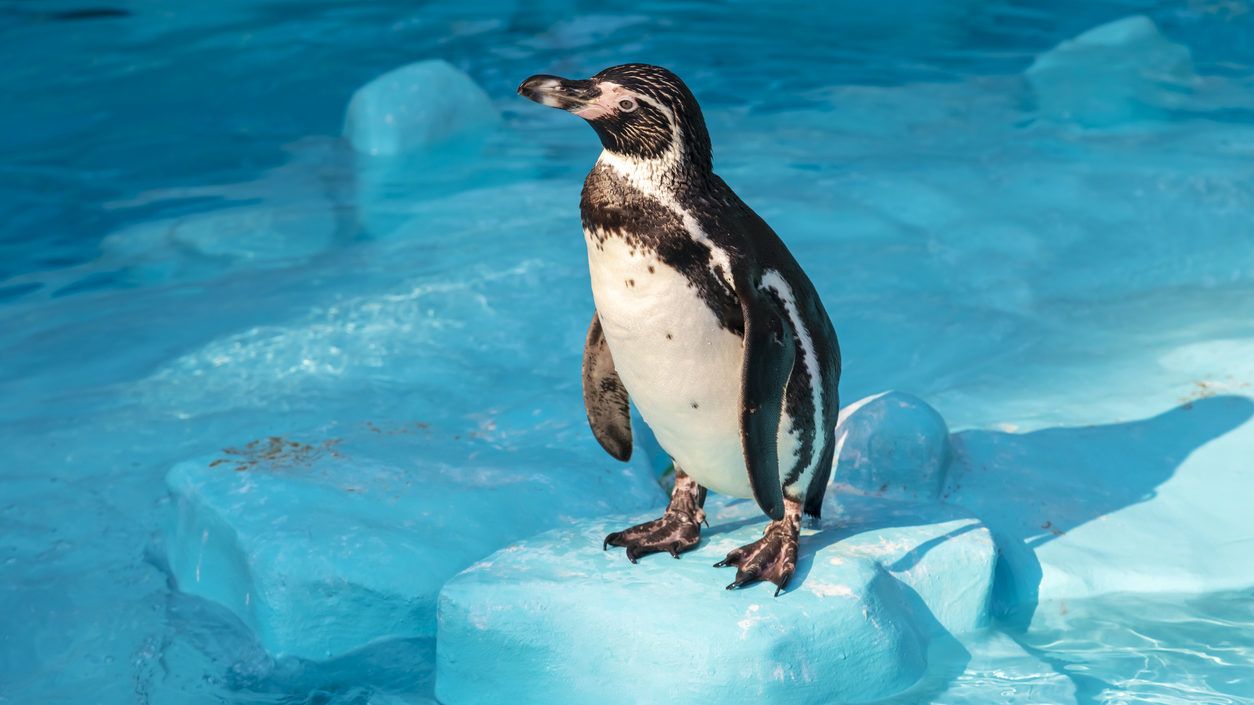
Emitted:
<point x="639" y="111"/>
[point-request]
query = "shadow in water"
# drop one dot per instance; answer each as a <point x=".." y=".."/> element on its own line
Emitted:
<point x="1033" y="488"/>
<point x="1049" y="482"/>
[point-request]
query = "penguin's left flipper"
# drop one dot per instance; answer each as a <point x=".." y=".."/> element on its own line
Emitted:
<point x="768" y="357"/>
<point x="604" y="396"/>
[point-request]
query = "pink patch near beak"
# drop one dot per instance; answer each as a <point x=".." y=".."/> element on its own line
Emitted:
<point x="592" y="111"/>
<point x="605" y="104"/>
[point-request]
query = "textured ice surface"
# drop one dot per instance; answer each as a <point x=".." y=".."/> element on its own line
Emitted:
<point x="1044" y="286"/>
<point x="324" y="547"/>
<point x="556" y="620"/>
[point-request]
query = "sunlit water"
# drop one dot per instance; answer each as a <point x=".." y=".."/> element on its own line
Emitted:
<point x="1010" y="267"/>
<point x="1118" y="649"/>
<point x="1182" y="650"/>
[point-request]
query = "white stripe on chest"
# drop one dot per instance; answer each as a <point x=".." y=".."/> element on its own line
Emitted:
<point x="774" y="281"/>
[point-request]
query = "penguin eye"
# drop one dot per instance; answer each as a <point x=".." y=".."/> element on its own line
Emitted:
<point x="626" y="105"/>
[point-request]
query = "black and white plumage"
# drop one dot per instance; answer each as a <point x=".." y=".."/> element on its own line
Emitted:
<point x="704" y="321"/>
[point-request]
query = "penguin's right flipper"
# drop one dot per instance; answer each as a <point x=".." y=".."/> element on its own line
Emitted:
<point x="604" y="396"/>
<point x="768" y="358"/>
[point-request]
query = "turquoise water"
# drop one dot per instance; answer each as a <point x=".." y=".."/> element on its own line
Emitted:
<point x="1115" y="649"/>
<point x="188" y="260"/>
<point x="1186" y="649"/>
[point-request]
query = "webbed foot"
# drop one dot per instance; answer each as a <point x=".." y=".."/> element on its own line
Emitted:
<point x="674" y="533"/>
<point x="772" y="557"/>
<point x="678" y="530"/>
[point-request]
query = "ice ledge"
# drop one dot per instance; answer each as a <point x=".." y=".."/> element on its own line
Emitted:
<point x="555" y="620"/>
<point x="324" y="548"/>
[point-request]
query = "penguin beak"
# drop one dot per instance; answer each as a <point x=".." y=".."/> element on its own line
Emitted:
<point x="556" y="92"/>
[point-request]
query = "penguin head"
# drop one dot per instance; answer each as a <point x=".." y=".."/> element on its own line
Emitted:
<point x="639" y="111"/>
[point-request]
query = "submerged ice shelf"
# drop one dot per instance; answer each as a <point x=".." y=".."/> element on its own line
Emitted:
<point x="1122" y="71"/>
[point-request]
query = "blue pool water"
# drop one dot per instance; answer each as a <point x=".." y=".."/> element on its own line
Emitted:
<point x="191" y="258"/>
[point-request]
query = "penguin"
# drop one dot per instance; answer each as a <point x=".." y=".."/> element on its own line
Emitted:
<point x="704" y="321"/>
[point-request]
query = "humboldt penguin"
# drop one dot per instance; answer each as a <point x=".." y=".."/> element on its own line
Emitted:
<point x="704" y="320"/>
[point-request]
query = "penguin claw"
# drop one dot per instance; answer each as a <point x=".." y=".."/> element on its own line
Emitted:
<point x="732" y="558"/>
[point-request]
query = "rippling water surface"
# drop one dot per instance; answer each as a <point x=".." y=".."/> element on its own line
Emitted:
<point x="1167" y="650"/>
<point x="1011" y="265"/>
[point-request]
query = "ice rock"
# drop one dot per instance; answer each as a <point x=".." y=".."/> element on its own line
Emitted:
<point x="417" y="106"/>
<point x="324" y="548"/>
<point x="892" y="444"/>
<point x="417" y="133"/>
<point x="555" y="620"/>
<point x="1121" y="71"/>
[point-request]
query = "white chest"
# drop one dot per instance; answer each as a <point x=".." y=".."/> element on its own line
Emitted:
<point x="680" y="367"/>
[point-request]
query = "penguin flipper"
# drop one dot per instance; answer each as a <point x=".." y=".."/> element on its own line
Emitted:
<point x="768" y="358"/>
<point x="604" y="396"/>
